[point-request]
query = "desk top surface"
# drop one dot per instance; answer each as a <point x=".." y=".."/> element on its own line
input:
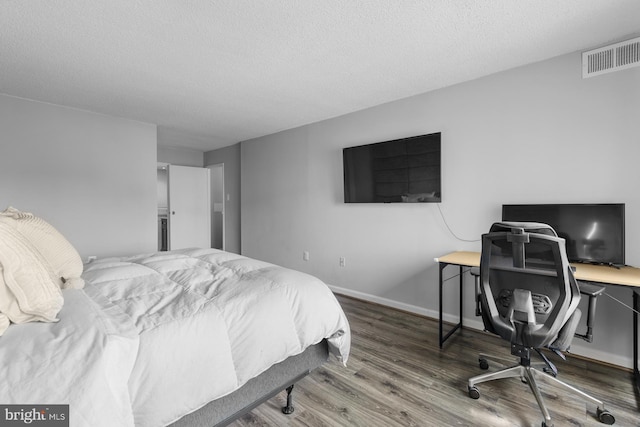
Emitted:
<point x="471" y="259"/>
<point x="626" y="276"/>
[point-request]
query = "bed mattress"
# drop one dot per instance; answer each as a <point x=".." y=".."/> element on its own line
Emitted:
<point x="171" y="332"/>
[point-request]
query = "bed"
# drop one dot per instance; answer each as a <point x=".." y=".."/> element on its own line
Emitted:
<point x="184" y="338"/>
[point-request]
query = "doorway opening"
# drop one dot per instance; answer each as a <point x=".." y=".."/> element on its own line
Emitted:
<point x="217" y="206"/>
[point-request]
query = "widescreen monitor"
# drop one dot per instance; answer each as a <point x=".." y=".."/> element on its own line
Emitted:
<point x="594" y="233"/>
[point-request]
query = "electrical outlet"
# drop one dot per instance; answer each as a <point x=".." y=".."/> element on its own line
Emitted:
<point x="305" y="255"/>
<point x="343" y="261"/>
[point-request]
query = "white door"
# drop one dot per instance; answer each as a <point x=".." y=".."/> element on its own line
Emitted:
<point x="189" y="207"/>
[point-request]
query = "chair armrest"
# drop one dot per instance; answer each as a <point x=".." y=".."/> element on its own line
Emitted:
<point x="590" y="289"/>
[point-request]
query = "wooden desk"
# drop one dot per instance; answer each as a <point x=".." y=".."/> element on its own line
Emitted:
<point x="623" y="276"/>
<point x="461" y="259"/>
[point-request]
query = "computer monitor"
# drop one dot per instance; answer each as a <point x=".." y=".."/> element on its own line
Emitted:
<point x="594" y="233"/>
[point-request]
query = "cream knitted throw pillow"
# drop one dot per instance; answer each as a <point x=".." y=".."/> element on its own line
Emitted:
<point x="36" y="262"/>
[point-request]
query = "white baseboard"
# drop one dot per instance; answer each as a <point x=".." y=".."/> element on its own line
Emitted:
<point x="385" y="301"/>
<point x="474" y="323"/>
<point x="471" y="323"/>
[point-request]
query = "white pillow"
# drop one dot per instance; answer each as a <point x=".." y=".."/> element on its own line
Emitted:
<point x="36" y="262"/>
<point x="63" y="259"/>
<point x="28" y="291"/>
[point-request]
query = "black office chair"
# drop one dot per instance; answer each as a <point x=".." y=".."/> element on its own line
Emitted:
<point x="530" y="298"/>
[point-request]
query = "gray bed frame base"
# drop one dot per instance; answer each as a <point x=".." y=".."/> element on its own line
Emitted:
<point x="258" y="390"/>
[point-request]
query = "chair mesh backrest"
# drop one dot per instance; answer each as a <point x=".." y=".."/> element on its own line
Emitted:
<point x="527" y="257"/>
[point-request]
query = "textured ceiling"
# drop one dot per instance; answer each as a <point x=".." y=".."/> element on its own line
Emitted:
<point x="232" y="70"/>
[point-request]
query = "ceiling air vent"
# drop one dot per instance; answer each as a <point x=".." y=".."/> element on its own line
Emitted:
<point x="608" y="59"/>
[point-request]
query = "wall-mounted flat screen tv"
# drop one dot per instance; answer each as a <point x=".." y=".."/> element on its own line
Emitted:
<point x="594" y="233"/>
<point x="403" y="170"/>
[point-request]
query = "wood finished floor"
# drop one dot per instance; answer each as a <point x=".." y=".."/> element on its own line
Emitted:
<point x="398" y="376"/>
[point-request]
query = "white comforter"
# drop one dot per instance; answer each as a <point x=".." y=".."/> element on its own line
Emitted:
<point x="155" y="337"/>
<point x="84" y="360"/>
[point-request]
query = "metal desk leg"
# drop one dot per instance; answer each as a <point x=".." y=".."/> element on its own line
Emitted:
<point x="636" y="307"/>
<point x="442" y="337"/>
<point x="442" y="266"/>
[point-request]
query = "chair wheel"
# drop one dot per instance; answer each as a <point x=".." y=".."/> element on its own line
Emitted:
<point x="546" y="425"/>
<point x="606" y="417"/>
<point x="474" y="393"/>
<point x="483" y="363"/>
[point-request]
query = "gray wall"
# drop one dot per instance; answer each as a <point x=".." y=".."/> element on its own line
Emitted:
<point x="230" y="156"/>
<point x="93" y="177"/>
<point x="536" y="134"/>
<point x="180" y="156"/>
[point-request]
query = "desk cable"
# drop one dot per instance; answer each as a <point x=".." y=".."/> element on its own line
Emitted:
<point x="453" y="276"/>
<point x="620" y="302"/>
